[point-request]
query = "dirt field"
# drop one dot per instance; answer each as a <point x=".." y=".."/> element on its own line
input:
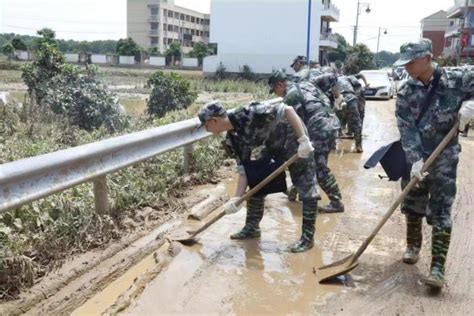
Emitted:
<point x="220" y="276"/>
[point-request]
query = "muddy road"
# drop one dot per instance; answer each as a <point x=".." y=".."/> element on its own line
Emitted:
<point x="220" y="276"/>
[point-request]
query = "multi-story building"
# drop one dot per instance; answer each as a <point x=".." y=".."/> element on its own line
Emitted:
<point x="459" y="39"/>
<point x="267" y="35"/>
<point x="434" y="28"/>
<point x="158" y="23"/>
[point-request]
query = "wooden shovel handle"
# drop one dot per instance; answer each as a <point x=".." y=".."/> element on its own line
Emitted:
<point x="407" y="189"/>
<point x="250" y="193"/>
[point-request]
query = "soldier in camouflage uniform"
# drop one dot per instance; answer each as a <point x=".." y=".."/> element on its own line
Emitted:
<point x="345" y="87"/>
<point x="435" y="193"/>
<point x="313" y="108"/>
<point x="256" y="125"/>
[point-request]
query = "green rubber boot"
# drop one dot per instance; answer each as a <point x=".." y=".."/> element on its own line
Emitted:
<point x="441" y="237"/>
<point x="414" y="239"/>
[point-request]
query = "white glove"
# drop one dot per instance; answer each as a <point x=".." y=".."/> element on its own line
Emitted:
<point x="305" y="148"/>
<point x="231" y="207"/>
<point x="340" y="103"/>
<point x="416" y="170"/>
<point x="466" y="114"/>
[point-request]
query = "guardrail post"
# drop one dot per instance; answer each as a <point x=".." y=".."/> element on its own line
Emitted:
<point x="101" y="195"/>
<point x="188" y="156"/>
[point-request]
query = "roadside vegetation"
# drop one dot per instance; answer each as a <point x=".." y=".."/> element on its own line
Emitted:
<point x="69" y="106"/>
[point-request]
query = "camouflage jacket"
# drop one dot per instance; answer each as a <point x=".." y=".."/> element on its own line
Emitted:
<point x="312" y="106"/>
<point x="346" y="89"/>
<point x="420" y="140"/>
<point x="253" y="125"/>
<point x="356" y="85"/>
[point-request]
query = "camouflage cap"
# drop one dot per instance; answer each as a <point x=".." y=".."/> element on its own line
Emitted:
<point x="211" y="109"/>
<point x="299" y="59"/>
<point x="277" y="76"/>
<point x="414" y="50"/>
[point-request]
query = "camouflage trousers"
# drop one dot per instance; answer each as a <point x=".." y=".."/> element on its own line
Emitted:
<point x="361" y="103"/>
<point x="326" y="179"/>
<point x="434" y="195"/>
<point x="303" y="176"/>
<point x="433" y="199"/>
<point x="354" y="120"/>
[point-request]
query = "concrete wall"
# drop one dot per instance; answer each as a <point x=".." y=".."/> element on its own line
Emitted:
<point x="99" y="59"/>
<point x="126" y="60"/>
<point x="246" y="33"/>
<point x="22" y="55"/>
<point x="157" y="61"/>
<point x="190" y="62"/>
<point x="72" y="58"/>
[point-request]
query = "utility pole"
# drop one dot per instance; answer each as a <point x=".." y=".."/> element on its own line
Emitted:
<point x="354" y="42"/>
<point x="461" y="36"/>
<point x="378" y="38"/>
<point x="308" y="32"/>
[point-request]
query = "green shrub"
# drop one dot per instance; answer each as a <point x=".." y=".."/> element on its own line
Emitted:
<point x="170" y="92"/>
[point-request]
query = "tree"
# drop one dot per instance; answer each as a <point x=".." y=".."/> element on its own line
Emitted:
<point x="18" y="44"/>
<point x="128" y="47"/>
<point x="386" y="59"/>
<point x="359" y="58"/>
<point x="199" y="51"/>
<point x="174" y="50"/>
<point x="48" y="36"/>
<point x="170" y="92"/>
<point x="8" y="50"/>
<point x="340" y="53"/>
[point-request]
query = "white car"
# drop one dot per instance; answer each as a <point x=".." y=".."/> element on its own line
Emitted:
<point x="380" y="86"/>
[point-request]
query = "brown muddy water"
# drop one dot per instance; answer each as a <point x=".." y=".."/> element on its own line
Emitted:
<point x="134" y="105"/>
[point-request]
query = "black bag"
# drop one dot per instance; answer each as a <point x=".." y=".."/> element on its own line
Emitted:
<point x="257" y="170"/>
<point x="392" y="156"/>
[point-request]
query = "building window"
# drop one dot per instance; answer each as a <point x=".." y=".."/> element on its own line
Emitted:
<point x="170" y="40"/>
<point x="197" y="20"/>
<point x="193" y="19"/>
<point x="181" y="17"/>
<point x="165" y="12"/>
<point x="176" y="28"/>
<point x="170" y="14"/>
<point x="188" y="18"/>
<point x="206" y="34"/>
<point x="176" y="15"/>
<point x="192" y="32"/>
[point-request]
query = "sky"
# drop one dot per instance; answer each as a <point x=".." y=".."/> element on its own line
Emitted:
<point x="106" y="19"/>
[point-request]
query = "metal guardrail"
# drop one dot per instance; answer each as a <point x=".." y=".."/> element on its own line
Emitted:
<point x="27" y="180"/>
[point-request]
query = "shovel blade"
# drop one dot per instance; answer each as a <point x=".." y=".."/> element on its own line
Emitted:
<point x="335" y="269"/>
<point x="183" y="237"/>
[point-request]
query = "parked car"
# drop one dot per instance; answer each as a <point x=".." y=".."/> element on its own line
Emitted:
<point x="403" y="78"/>
<point x="380" y="86"/>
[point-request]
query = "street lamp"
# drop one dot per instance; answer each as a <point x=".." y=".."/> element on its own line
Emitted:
<point x="360" y="5"/>
<point x="378" y="37"/>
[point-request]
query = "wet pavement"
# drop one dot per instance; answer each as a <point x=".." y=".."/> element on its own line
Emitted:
<point x="221" y="276"/>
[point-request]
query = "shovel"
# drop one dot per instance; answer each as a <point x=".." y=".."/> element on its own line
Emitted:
<point x="189" y="240"/>
<point x="341" y="267"/>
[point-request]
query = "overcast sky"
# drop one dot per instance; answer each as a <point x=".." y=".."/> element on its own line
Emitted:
<point x="106" y="19"/>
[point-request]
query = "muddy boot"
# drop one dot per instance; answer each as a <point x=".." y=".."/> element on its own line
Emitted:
<point x="358" y="143"/>
<point x="414" y="239"/>
<point x="292" y="193"/>
<point x="246" y="233"/>
<point x="306" y="240"/>
<point x="332" y="207"/>
<point x="441" y="238"/>
<point x="254" y="216"/>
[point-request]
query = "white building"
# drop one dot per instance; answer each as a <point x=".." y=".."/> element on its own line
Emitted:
<point x="158" y="23"/>
<point x="267" y="34"/>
